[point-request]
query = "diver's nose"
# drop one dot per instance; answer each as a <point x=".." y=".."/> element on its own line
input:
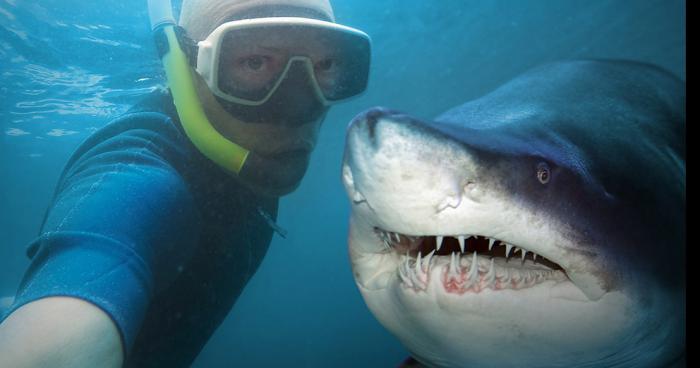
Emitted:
<point x="296" y="98"/>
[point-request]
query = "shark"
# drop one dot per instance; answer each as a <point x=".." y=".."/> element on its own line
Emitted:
<point x="541" y="225"/>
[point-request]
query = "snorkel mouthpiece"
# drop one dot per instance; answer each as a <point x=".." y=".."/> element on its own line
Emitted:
<point x="200" y="131"/>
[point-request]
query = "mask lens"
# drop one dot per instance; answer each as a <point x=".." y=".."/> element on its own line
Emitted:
<point x="247" y="68"/>
<point x="254" y="60"/>
<point x="343" y="70"/>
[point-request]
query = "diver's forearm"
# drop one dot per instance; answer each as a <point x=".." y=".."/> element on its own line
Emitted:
<point x="59" y="332"/>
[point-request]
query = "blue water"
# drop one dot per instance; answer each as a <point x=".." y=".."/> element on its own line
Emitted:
<point x="69" y="66"/>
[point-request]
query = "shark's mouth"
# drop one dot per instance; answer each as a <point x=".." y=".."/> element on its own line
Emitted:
<point x="467" y="263"/>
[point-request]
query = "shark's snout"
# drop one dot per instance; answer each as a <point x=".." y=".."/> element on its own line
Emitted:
<point x="390" y="152"/>
<point x="365" y="124"/>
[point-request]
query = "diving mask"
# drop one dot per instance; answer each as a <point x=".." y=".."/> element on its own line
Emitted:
<point x="245" y="62"/>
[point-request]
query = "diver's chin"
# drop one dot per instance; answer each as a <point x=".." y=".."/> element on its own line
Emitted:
<point x="277" y="175"/>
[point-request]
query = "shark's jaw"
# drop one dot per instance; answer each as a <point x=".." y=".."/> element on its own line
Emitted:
<point x="467" y="264"/>
<point x="483" y="298"/>
<point x="452" y="312"/>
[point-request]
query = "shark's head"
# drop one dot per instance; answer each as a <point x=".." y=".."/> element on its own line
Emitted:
<point x="503" y="233"/>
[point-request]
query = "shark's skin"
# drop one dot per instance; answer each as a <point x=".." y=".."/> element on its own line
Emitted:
<point x="610" y="137"/>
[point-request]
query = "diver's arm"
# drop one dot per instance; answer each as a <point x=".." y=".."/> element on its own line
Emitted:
<point x="59" y="332"/>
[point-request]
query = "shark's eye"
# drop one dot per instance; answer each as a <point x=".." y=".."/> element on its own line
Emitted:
<point x="543" y="172"/>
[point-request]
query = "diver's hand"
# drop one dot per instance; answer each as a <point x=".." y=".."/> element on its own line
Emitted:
<point x="59" y="332"/>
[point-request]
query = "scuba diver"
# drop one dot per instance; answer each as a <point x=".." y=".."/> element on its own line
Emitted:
<point x="161" y="217"/>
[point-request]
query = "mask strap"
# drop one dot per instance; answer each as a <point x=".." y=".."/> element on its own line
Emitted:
<point x="188" y="45"/>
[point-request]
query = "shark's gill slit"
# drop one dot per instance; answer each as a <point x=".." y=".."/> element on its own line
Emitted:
<point x="468" y="263"/>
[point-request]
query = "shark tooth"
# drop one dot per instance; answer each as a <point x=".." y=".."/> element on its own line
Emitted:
<point x="508" y="248"/>
<point x="474" y="269"/>
<point x="426" y="261"/>
<point x="417" y="277"/>
<point x="460" y="239"/>
<point x="453" y="268"/>
<point x="491" y="241"/>
<point x="523" y="254"/>
<point x="406" y="273"/>
<point x="490" y="275"/>
<point x="533" y="277"/>
<point x="418" y="264"/>
<point x="404" y="277"/>
<point x="438" y="242"/>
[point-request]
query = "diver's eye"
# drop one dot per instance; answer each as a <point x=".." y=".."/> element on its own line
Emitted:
<point x="254" y="62"/>
<point x="543" y="172"/>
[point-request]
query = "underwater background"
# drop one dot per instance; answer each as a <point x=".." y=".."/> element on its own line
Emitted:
<point x="67" y="67"/>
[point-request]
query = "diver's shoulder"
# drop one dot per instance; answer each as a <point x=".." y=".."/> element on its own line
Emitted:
<point x="158" y="100"/>
<point x="154" y="121"/>
<point x="155" y="113"/>
<point x="137" y="130"/>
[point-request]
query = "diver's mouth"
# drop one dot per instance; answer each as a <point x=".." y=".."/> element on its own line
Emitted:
<point x="467" y="263"/>
<point x="287" y="154"/>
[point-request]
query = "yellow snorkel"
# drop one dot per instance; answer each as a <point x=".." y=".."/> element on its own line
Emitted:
<point x="208" y="141"/>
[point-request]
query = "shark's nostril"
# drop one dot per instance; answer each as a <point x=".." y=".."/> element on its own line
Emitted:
<point x="368" y="120"/>
<point x="371" y="119"/>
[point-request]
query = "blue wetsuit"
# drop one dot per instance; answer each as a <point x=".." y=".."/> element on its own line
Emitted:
<point x="152" y="232"/>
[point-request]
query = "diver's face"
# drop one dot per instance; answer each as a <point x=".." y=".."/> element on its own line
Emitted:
<point x="286" y="143"/>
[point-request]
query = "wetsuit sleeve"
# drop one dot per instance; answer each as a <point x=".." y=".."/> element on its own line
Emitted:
<point x="121" y="225"/>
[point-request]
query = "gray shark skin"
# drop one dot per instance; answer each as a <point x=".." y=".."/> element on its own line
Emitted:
<point x="542" y="225"/>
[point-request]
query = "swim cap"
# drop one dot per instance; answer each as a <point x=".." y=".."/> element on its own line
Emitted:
<point x="201" y="17"/>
